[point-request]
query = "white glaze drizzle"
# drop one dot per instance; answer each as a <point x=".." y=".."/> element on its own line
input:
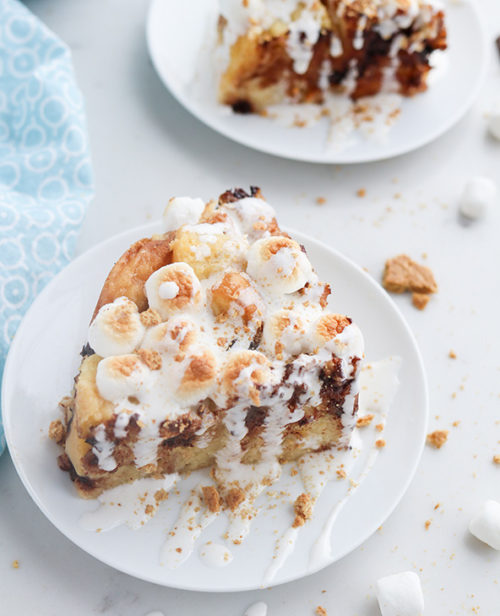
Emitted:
<point x="215" y="555"/>
<point x="193" y="518"/>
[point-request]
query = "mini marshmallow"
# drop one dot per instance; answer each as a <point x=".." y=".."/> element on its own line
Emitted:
<point x="285" y="332"/>
<point x="122" y="376"/>
<point x="182" y="211"/>
<point x="494" y="124"/>
<point x="252" y="216"/>
<point x="117" y="328"/>
<point x="172" y="337"/>
<point x="485" y="525"/>
<point x="400" y="595"/>
<point x="478" y="195"/>
<point x="173" y="288"/>
<point x="279" y="264"/>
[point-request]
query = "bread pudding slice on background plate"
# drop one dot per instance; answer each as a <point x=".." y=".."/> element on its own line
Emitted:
<point x="330" y="81"/>
<point x="220" y="392"/>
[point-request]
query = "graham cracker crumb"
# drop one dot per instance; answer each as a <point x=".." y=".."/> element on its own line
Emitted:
<point x="437" y="438"/>
<point x="452" y="354"/>
<point x="149" y="509"/>
<point x="427" y="524"/>
<point x="455" y="424"/>
<point x="379" y="427"/>
<point x="436" y="506"/>
<point x="211" y="498"/>
<point x="15" y="564"/>
<point x="151" y="358"/>
<point x="496" y="459"/>
<point x="420" y="300"/>
<point x="320" y="611"/>
<point x="234" y="498"/>
<point x="303" y="509"/>
<point x="320" y="200"/>
<point x="380" y="443"/>
<point x="402" y="274"/>
<point x="361" y="192"/>
<point x="361" y="422"/>
<point x="341" y="474"/>
<point x="57" y="431"/>
<point x="294" y="471"/>
<point x="150" y="318"/>
<point x="160" y="495"/>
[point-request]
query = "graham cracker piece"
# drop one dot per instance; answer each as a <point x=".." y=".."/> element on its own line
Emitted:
<point x="402" y="274"/>
<point x="437" y="438"/>
<point x="211" y="498"/>
<point x="303" y="509"/>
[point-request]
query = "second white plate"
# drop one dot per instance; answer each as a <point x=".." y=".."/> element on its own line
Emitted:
<point x="178" y="35"/>
<point x="44" y="358"/>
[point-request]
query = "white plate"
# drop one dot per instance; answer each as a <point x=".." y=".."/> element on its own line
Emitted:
<point x="44" y="358"/>
<point x="177" y="35"/>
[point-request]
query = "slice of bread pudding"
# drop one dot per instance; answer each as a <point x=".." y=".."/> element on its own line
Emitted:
<point x="291" y="51"/>
<point x="211" y="346"/>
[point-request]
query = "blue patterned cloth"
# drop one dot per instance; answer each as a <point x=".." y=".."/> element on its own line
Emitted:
<point x="45" y="173"/>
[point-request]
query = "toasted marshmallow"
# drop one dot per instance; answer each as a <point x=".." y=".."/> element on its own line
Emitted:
<point x="400" y="595"/>
<point x="494" y="124"/>
<point x="243" y="375"/>
<point x="325" y="329"/>
<point x="122" y="376"/>
<point x="199" y="376"/>
<point x="485" y="525"/>
<point x="182" y="211"/>
<point x="477" y="197"/>
<point x="172" y="337"/>
<point x="116" y="329"/>
<point x="234" y="296"/>
<point x="285" y="333"/>
<point x="210" y="247"/>
<point x="254" y="217"/>
<point x="173" y="288"/>
<point x="278" y="264"/>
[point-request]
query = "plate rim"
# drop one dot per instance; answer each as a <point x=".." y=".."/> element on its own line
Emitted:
<point x="209" y="120"/>
<point x="153" y="227"/>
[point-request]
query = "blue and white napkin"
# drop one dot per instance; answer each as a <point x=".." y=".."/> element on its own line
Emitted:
<point x="46" y="178"/>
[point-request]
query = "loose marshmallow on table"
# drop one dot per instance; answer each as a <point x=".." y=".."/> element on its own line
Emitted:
<point x="478" y="195"/>
<point x="400" y="595"/>
<point x="182" y="211"/>
<point x="494" y="124"/>
<point x="485" y="525"/>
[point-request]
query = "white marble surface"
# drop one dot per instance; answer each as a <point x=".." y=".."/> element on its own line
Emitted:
<point x="147" y="148"/>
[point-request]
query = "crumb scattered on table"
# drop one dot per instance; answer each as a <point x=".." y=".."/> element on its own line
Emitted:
<point x="427" y="524"/>
<point x="320" y="611"/>
<point x="320" y="200"/>
<point x="361" y="192"/>
<point x="437" y="438"/>
<point x="15" y="564"/>
<point x="420" y="300"/>
<point x="402" y="274"/>
<point x="496" y="459"/>
<point x="452" y="354"/>
<point x="303" y="509"/>
<point x="380" y="443"/>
